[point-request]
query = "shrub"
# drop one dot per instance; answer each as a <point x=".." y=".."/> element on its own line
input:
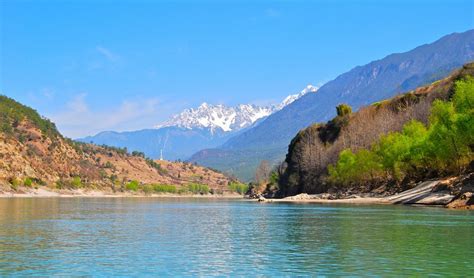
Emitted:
<point x="139" y="154"/>
<point x="238" y="187"/>
<point x="164" y="188"/>
<point x="343" y="110"/>
<point x="132" y="185"/>
<point x="60" y="184"/>
<point x="76" y="182"/>
<point x="197" y="188"/>
<point x="28" y="182"/>
<point x="147" y="189"/>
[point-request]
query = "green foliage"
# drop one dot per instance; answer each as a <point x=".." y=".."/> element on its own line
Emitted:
<point x="164" y="188"/>
<point x="197" y="188"/>
<point x="139" y="154"/>
<point x="445" y="146"/>
<point x="76" y="182"/>
<point x="60" y="184"/>
<point x="73" y="183"/>
<point x="355" y="167"/>
<point x="239" y="187"/>
<point x="343" y="110"/>
<point x="132" y="185"/>
<point x="147" y="189"/>
<point x="329" y="132"/>
<point x="12" y="113"/>
<point x="28" y="182"/>
<point x="120" y="151"/>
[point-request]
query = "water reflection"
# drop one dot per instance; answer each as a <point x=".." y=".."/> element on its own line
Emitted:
<point x="140" y="236"/>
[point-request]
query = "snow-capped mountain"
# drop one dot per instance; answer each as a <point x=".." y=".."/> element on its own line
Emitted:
<point x="206" y="126"/>
<point x="227" y="119"/>
<point x="218" y="116"/>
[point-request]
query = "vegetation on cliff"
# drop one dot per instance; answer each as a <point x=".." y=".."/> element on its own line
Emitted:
<point x="424" y="133"/>
<point x="443" y="147"/>
<point x="12" y="113"/>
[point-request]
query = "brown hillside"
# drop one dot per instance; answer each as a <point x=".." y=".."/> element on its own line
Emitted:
<point x="32" y="149"/>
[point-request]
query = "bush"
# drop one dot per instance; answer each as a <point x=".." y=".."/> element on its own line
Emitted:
<point x="76" y="182"/>
<point x="197" y="188"/>
<point x="132" y="185"/>
<point x="147" y="189"/>
<point x="139" y="154"/>
<point x="28" y="182"/>
<point x="164" y="188"/>
<point x="239" y="187"/>
<point x="60" y="184"/>
<point x="343" y="110"/>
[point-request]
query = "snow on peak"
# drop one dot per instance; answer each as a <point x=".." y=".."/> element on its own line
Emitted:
<point x="218" y="116"/>
<point x="291" y="98"/>
<point x="226" y="118"/>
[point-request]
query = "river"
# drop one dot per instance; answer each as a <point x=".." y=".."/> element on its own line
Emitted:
<point x="202" y="237"/>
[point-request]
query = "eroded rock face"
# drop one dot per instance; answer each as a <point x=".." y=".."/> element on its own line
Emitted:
<point x="463" y="187"/>
<point x="463" y="201"/>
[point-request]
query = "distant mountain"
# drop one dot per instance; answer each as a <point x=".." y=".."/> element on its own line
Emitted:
<point x="194" y="129"/>
<point x="219" y="117"/>
<point x="291" y="98"/>
<point x="360" y="86"/>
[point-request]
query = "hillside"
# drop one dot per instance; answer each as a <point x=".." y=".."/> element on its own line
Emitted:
<point x="381" y="147"/>
<point x="34" y="154"/>
<point x="363" y="85"/>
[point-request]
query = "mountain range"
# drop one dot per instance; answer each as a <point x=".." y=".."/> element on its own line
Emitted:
<point x="193" y="129"/>
<point x="363" y="85"/>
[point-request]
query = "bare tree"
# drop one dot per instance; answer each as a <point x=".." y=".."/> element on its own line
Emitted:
<point x="262" y="174"/>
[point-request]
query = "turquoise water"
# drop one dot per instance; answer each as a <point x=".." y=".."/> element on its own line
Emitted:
<point x="176" y="237"/>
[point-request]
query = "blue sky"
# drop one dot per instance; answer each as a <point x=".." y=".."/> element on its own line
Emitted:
<point x="125" y="65"/>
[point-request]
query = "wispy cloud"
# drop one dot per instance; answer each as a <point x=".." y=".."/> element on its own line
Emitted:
<point x="78" y="119"/>
<point x="107" y="53"/>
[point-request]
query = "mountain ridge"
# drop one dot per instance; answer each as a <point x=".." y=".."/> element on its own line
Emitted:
<point x="193" y="129"/>
<point x="362" y="85"/>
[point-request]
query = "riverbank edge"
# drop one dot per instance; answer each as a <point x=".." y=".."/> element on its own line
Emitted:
<point x="424" y="194"/>
<point x="93" y="193"/>
<point x="428" y="193"/>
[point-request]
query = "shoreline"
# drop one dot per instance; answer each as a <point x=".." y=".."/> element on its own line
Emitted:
<point x="424" y="194"/>
<point x="81" y="193"/>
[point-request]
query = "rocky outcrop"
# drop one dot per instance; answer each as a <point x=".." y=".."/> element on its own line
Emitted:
<point x="463" y="201"/>
<point x="423" y="194"/>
